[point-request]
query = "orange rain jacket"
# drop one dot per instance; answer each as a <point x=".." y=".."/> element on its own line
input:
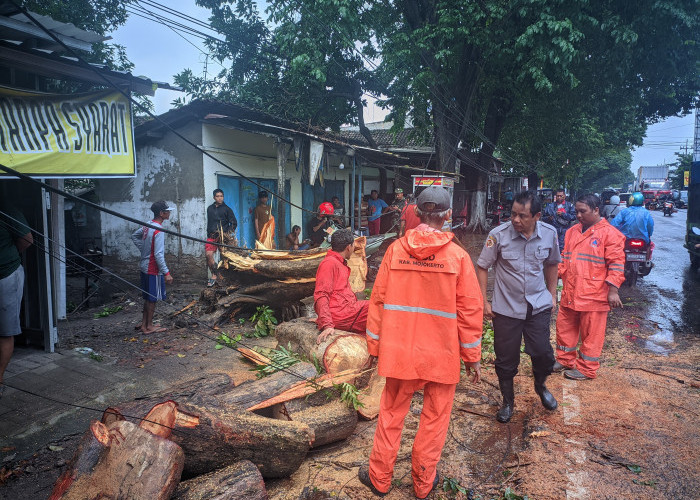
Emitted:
<point x="590" y="261"/>
<point x="426" y="309"/>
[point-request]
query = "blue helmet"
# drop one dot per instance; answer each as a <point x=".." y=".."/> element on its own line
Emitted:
<point x="636" y="200"/>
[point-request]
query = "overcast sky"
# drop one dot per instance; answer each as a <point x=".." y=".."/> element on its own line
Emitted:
<point x="159" y="53"/>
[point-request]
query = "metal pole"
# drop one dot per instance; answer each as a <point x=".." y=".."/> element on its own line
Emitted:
<point x="359" y="198"/>
<point x="352" y="204"/>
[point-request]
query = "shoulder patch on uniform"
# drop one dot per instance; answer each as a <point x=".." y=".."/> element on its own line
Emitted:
<point x="490" y="241"/>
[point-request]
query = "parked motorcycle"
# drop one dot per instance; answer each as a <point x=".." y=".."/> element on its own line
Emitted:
<point x="637" y="259"/>
<point x="669" y="208"/>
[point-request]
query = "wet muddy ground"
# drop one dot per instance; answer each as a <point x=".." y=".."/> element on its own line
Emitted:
<point x="630" y="433"/>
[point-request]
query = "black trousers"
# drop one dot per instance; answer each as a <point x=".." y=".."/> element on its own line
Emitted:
<point x="508" y="332"/>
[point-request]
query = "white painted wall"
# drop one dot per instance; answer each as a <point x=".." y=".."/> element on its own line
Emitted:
<point x="116" y="232"/>
<point x="252" y="155"/>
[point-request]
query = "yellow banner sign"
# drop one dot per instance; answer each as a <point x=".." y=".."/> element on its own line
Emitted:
<point x="686" y="178"/>
<point x="84" y="135"/>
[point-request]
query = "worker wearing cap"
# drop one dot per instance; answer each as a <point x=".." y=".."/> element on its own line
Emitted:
<point x="524" y="253"/>
<point x="335" y="303"/>
<point x="592" y="270"/>
<point x="154" y="271"/>
<point x="425" y="316"/>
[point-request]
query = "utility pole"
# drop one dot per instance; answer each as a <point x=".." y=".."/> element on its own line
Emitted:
<point x="686" y="147"/>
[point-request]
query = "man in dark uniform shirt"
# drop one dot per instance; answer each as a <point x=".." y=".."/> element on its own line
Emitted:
<point x="220" y="221"/>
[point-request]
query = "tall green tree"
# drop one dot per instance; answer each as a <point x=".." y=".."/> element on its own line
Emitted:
<point x="680" y="166"/>
<point x="555" y="79"/>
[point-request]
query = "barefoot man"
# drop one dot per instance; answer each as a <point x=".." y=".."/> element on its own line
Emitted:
<point x="154" y="271"/>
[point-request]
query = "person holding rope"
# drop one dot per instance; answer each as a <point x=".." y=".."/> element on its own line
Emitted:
<point x="335" y="303"/>
<point x="154" y="271"/>
<point x="220" y="221"/>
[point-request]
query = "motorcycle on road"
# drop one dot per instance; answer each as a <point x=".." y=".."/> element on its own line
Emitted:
<point x="637" y="259"/>
<point x="669" y="208"/>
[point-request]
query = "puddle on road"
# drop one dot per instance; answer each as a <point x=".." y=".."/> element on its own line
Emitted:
<point x="674" y="308"/>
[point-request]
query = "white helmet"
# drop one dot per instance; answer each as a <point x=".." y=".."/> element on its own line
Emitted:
<point x="615" y="200"/>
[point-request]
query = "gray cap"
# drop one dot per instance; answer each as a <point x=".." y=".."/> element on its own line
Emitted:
<point x="436" y="195"/>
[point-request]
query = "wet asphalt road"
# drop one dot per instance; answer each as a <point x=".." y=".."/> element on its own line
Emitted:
<point x="672" y="290"/>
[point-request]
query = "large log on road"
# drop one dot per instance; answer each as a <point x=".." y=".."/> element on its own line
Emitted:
<point x="124" y="461"/>
<point x="213" y="437"/>
<point x="330" y="422"/>
<point x="240" y="481"/>
<point x="253" y="392"/>
<point x="192" y="391"/>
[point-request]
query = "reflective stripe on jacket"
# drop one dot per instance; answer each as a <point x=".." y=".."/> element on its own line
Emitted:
<point x="426" y="309"/>
<point x="591" y="260"/>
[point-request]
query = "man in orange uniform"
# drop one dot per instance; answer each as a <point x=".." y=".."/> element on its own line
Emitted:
<point x="425" y="315"/>
<point x="334" y="301"/>
<point x="592" y="270"/>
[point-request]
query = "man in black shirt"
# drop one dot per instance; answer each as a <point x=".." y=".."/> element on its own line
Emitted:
<point x="316" y="229"/>
<point x="220" y="221"/>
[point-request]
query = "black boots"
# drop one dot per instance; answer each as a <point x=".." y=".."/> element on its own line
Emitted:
<point x="546" y="397"/>
<point x="506" y="411"/>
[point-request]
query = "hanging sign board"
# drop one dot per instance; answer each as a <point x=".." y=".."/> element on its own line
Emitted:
<point x="315" y="157"/>
<point x="79" y="135"/>
<point x="446" y="182"/>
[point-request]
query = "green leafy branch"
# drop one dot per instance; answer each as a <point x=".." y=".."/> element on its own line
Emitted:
<point x="281" y="358"/>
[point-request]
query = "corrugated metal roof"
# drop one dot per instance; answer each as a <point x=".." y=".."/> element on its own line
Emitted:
<point x="16" y="26"/>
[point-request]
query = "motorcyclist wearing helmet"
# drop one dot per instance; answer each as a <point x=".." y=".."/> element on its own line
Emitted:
<point x="319" y="223"/>
<point x="635" y="221"/>
<point x="612" y="208"/>
<point x="560" y="214"/>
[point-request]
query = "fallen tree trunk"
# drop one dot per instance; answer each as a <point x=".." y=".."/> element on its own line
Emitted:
<point x="213" y="437"/>
<point x="299" y="267"/>
<point x="331" y="422"/>
<point x="289" y="255"/>
<point x="194" y="391"/>
<point x="220" y="306"/>
<point x="240" y="481"/>
<point x="253" y="392"/>
<point x="124" y="461"/>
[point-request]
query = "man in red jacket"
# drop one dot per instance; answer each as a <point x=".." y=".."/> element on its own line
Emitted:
<point x="425" y="316"/>
<point x="334" y="301"/>
<point x="592" y="270"/>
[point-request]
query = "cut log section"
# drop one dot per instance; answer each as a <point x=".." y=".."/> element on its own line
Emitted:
<point x="331" y="422"/>
<point x="240" y="481"/>
<point x="339" y="352"/>
<point x="253" y="392"/>
<point x="370" y="396"/>
<point x="121" y="461"/>
<point x="213" y="437"/>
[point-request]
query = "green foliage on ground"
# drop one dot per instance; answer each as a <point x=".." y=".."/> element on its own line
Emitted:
<point x="349" y="395"/>
<point x="106" y="311"/>
<point x="487" y="353"/>
<point x="226" y="340"/>
<point x="451" y="486"/>
<point x="264" y="321"/>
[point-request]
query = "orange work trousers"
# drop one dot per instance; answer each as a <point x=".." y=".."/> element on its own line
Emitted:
<point x="590" y="327"/>
<point x="429" y="441"/>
